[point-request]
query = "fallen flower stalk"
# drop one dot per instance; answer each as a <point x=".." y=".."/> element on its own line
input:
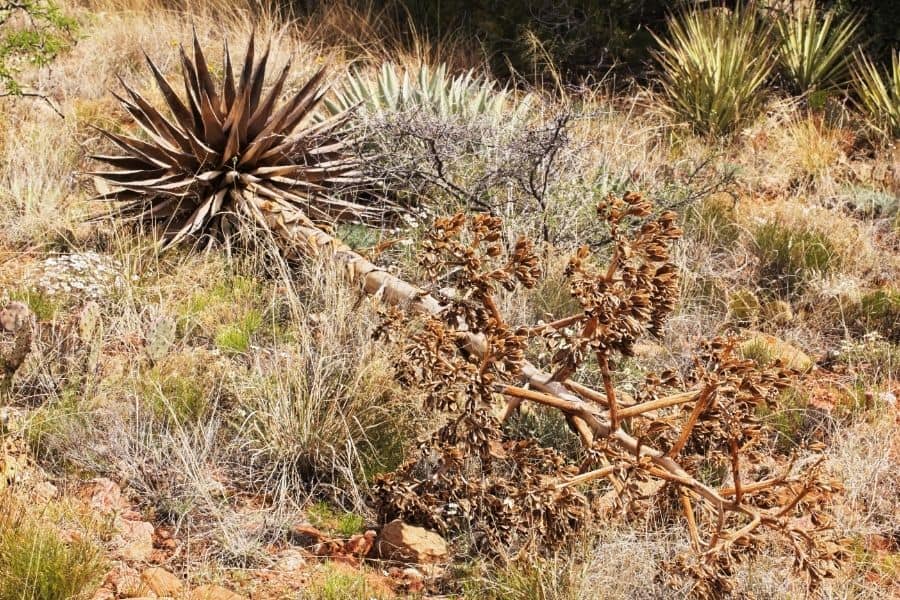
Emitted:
<point x="590" y="413"/>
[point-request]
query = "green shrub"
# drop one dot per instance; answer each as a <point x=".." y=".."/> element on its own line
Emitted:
<point x="815" y="49"/>
<point x="868" y="203"/>
<point x="324" y="516"/>
<point x="789" y="258"/>
<point x="36" y="564"/>
<point x="714" y="64"/>
<point x="46" y="34"/>
<point x="879" y="311"/>
<point x="42" y="305"/>
<point x="879" y="93"/>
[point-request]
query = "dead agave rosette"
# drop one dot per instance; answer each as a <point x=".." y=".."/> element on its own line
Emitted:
<point x="234" y="151"/>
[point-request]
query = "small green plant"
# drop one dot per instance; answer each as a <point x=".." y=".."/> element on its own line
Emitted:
<point x="42" y="305"/>
<point x="236" y="337"/>
<point x="345" y="523"/>
<point x="879" y="311"/>
<point x="340" y="584"/>
<point x="789" y="257"/>
<point x="45" y="34"/>
<point x="744" y="306"/>
<point x="36" y="564"/>
<point x="815" y="48"/>
<point x="713" y="66"/>
<point x="879" y="93"/>
<point x="790" y="419"/>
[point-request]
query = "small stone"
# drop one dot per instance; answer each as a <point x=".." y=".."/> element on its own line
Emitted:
<point x="161" y="582"/>
<point x="289" y="560"/>
<point x="407" y="543"/>
<point x="214" y="592"/>
<point x="45" y="491"/>
<point x="124" y="581"/>
<point x="103" y="495"/>
<point x="135" y="540"/>
<point x="767" y="348"/>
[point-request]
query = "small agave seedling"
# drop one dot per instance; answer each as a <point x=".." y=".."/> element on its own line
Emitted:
<point x="230" y="152"/>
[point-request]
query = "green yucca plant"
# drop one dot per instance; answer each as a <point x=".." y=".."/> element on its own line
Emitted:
<point x="228" y="153"/>
<point x="714" y="64"/>
<point x="879" y="93"/>
<point x="427" y="88"/>
<point x="815" y="49"/>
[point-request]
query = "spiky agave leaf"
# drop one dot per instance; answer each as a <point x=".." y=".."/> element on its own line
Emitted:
<point x="223" y="153"/>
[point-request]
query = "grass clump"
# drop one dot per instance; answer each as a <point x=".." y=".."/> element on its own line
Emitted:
<point x="183" y="387"/>
<point x="37" y="564"/>
<point x="235" y="337"/>
<point x="791" y="257"/>
<point x="713" y="220"/>
<point x="815" y="48"/>
<point x="714" y="64"/>
<point x="344" y="584"/>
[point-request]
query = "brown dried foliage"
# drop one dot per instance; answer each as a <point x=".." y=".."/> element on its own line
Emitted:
<point x="702" y="455"/>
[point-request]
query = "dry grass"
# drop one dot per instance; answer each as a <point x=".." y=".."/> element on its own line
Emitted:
<point x="272" y="387"/>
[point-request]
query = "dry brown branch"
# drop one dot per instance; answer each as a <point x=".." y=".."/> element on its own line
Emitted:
<point x="585" y="410"/>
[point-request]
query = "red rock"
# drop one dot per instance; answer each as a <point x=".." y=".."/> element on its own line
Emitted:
<point x="214" y="592"/>
<point x="134" y="541"/>
<point x="103" y="495"/>
<point x="407" y="543"/>
<point x="161" y="582"/>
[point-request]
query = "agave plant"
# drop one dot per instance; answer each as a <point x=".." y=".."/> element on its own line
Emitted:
<point x="815" y="51"/>
<point x="714" y="63"/>
<point x="428" y="89"/>
<point x="879" y="94"/>
<point x="229" y="152"/>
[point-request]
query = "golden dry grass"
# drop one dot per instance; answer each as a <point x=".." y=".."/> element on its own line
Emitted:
<point x="786" y="165"/>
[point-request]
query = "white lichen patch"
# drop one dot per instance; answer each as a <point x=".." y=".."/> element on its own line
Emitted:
<point x="84" y="276"/>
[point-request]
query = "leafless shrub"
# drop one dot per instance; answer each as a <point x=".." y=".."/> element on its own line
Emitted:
<point x="719" y="472"/>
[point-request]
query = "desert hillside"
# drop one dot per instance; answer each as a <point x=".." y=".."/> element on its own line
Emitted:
<point x="322" y="300"/>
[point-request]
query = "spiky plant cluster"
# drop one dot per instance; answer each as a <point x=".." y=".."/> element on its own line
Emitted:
<point x="714" y="63"/>
<point x="879" y="92"/>
<point x="428" y="89"/>
<point x="234" y="151"/>
<point x="815" y="48"/>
